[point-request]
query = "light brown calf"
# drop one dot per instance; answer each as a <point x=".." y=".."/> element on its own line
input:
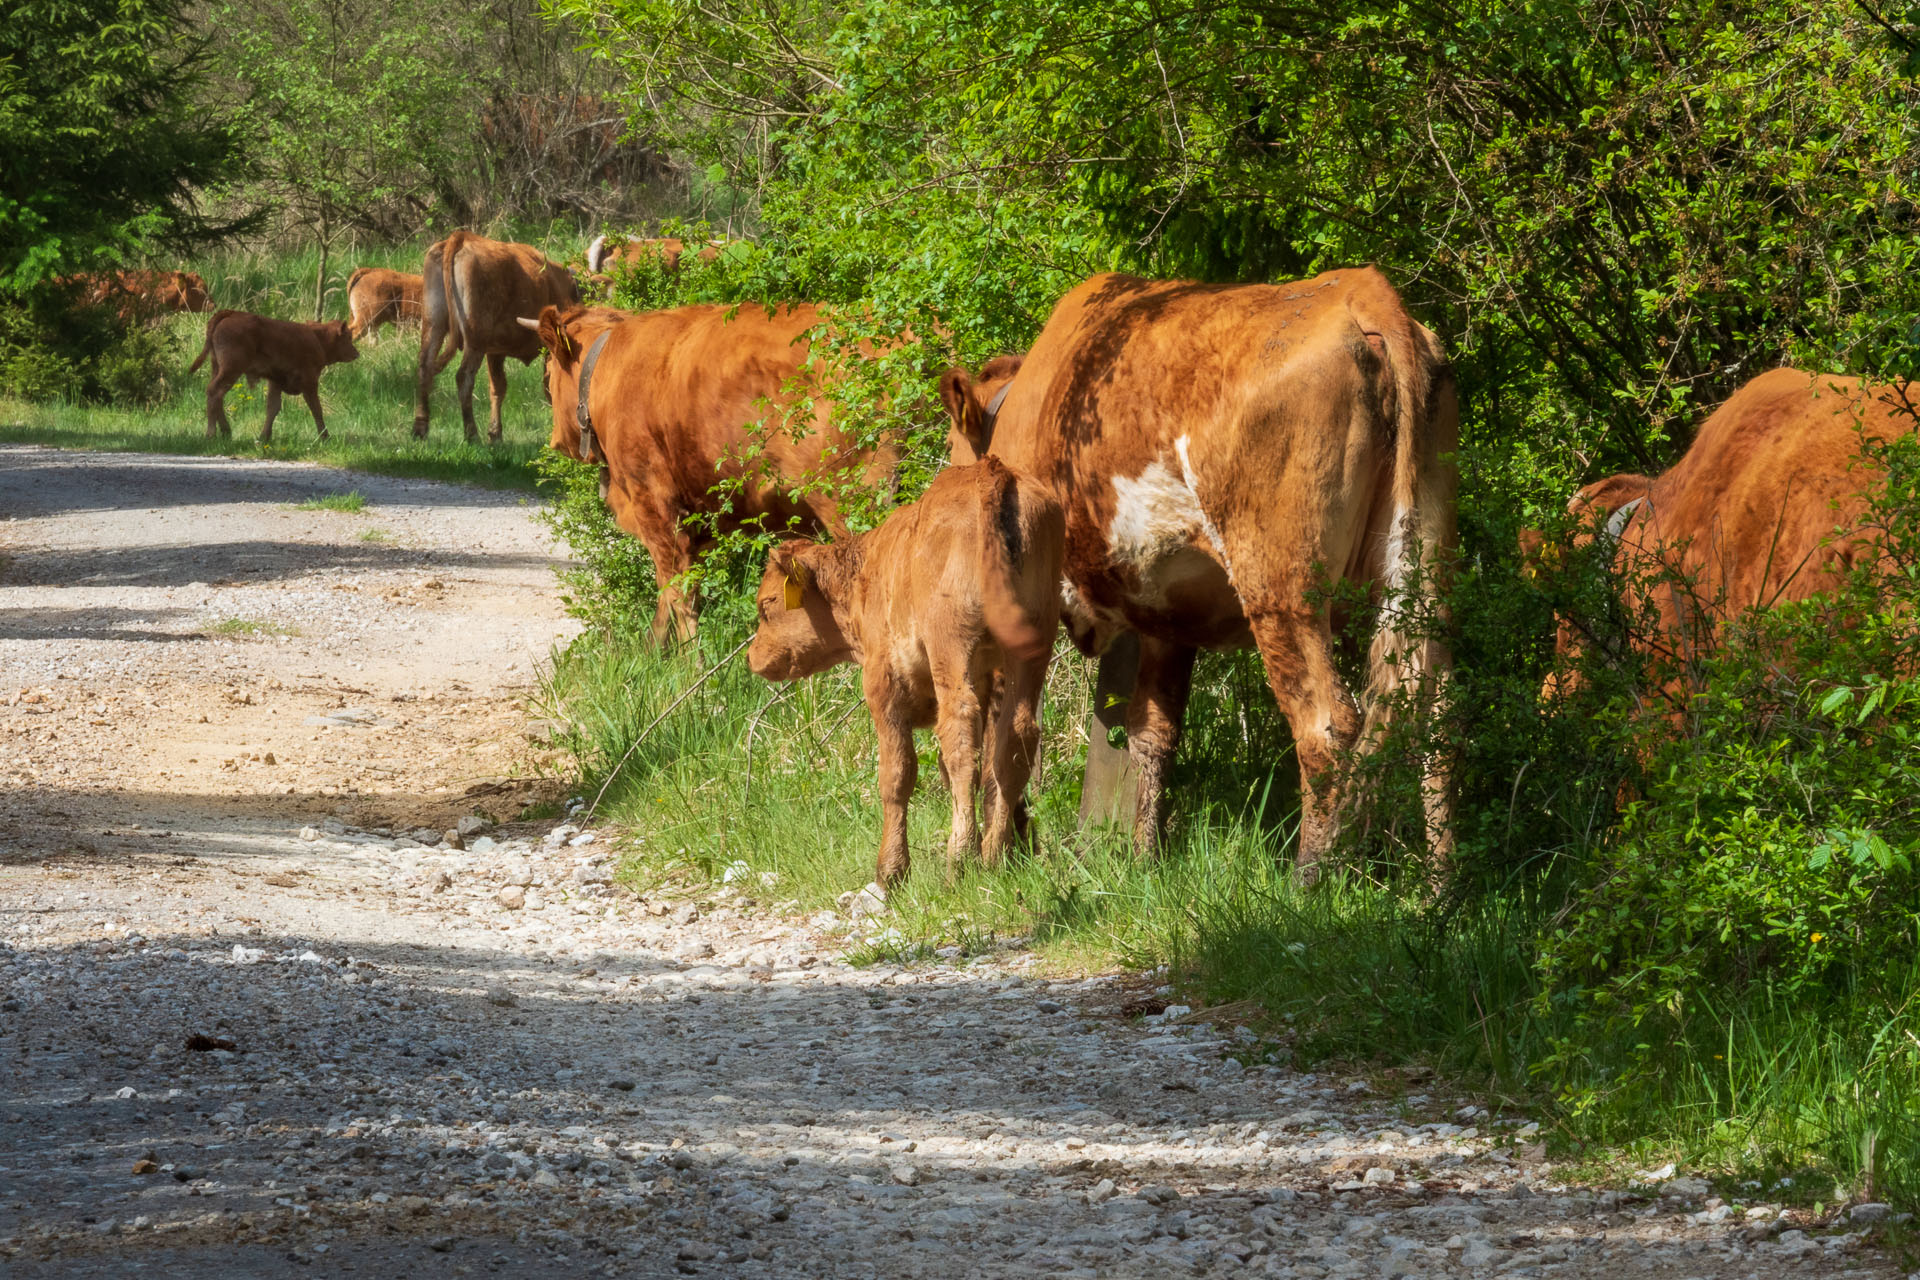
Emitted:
<point x="948" y="591"/>
<point x="289" y="354"/>
<point x="377" y="296"/>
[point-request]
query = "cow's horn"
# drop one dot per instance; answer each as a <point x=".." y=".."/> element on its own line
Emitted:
<point x="531" y="324"/>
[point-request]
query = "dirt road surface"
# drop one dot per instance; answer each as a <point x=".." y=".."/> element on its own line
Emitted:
<point x="257" y="1021"/>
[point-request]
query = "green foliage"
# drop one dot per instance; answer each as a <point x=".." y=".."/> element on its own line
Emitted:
<point x="102" y="143"/>
<point x="1778" y="841"/>
<point x="53" y="349"/>
<point x="351" y="500"/>
<point x="610" y="585"/>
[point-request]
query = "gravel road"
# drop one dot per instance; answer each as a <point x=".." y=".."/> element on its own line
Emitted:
<point x="257" y="1019"/>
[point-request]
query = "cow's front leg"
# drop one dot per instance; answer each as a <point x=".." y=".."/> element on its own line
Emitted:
<point x="313" y="406"/>
<point x="1153" y="730"/>
<point x="463" y="379"/>
<point x="496" y="397"/>
<point x="899" y="769"/>
<point x="273" y="411"/>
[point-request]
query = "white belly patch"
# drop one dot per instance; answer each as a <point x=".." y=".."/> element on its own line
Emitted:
<point x="1157" y="516"/>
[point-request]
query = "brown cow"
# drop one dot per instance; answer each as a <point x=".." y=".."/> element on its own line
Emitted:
<point x="142" y="294"/>
<point x="475" y="291"/>
<point x="289" y="354"/>
<point x="377" y="296"/>
<point x="604" y="252"/>
<point x="946" y="592"/>
<point x="674" y="397"/>
<point x="1764" y="507"/>
<point x="1217" y="448"/>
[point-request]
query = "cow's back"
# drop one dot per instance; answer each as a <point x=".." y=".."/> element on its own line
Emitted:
<point x="490" y="284"/>
<point x="691" y="384"/>
<point x="1750" y="512"/>
<point x="1174" y="418"/>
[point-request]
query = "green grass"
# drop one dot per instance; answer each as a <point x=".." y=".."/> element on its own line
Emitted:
<point x="350" y="500"/>
<point x="376" y="535"/>
<point x="246" y="627"/>
<point x="368" y="403"/>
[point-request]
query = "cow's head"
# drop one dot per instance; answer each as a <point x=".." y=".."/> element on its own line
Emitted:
<point x="973" y="404"/>
<point x="1600" y="510"/>
<point x="566" y="333"/>
<point x="337" y="340"/>
<point x="801" y="596"/>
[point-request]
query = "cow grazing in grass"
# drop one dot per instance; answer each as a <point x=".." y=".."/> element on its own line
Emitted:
<point x="288" y="354"/>
<point x="1216" y="448"/>
<point x="950" y="591"/>
<point x="474" y="291"/>
<point x="676" y="401"/>
<point x="1764" y="508"/>
<point x="377" y="296"/>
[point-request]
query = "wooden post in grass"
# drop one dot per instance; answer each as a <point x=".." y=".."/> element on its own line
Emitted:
<point x="1110" y="789"/>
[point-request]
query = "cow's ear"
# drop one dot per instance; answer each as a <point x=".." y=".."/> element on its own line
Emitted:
<point x="967" y="419"/>
<point x="554" y="337"/>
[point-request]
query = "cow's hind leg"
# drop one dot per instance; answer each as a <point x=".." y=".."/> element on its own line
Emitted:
<point x="899" y="768"/>
<point x="463" y="379"/>
<point x="313" y="406"/>
<point x="273" y="411"/>
<point x="1153" y="730"/>
<point x="1015" y="747"/>
<point x="1297" y="648"/>
<point x="496" y="397"/>
<point x="958" y="726"/>
<point x="218" y="385"/>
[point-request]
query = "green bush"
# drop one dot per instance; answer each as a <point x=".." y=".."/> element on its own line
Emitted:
<point x="52" y="349"/>
<point x="1777" y="842"/>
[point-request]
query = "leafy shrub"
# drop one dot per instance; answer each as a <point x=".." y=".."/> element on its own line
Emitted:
<point x="611" y="585"/>
<point x="1777" y="843"/>
<point x="53" y="349"/>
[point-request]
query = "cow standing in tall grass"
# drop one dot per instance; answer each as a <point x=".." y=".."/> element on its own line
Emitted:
<point x="952" y="591"/>
<point x="1218" y="449"/>
<point x="475" y="290"/>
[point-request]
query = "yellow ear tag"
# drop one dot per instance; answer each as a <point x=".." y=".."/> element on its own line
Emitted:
<point x="794" y="590"/>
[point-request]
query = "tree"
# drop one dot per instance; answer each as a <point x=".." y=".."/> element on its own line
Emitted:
<point x="104" y="144"/>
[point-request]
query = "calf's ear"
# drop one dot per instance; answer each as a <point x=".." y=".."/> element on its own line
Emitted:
<point x="964" y="413"/>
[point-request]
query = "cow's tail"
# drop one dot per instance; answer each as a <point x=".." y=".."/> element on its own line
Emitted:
<point x="1023" y="538"/>
<point x="213" y="322"/>
<point x="354" y="279"/>
<point x="457" y="322"/>
<point x="1406" y="656"/>
<point x="1419" y="532"/>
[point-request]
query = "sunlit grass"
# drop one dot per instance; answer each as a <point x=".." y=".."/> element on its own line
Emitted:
<point x="350" y="500"/>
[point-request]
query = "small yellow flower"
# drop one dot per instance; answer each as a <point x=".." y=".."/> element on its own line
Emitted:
<point x="1816" y="937"/>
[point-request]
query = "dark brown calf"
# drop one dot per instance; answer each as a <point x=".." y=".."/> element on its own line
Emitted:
<point x="289" y="354"/>
<point x="948" y="591"/>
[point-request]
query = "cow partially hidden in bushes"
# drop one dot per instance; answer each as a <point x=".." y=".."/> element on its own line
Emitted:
<point x="288" y="354"/>
<point x="474" y="290"/>
<point x="377" y="296"/>
<point x="605" y="251"/>
<point x="1219" y="449"/>
<point x="138" y="295"/>
<point x="684" y="402"/>
<point x="1764" y="508"/>
<point x="948" y="592"/>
